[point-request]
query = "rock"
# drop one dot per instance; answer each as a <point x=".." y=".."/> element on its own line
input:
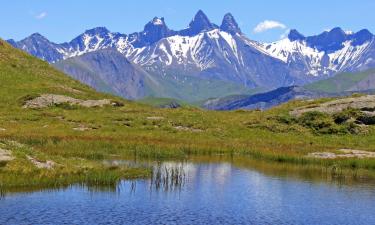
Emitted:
<point x="81" y="128"/>
<point x="41" y="165"/>
<point x="170" y="105"/>
<point x="48" y="100"/>
<point x="5" y="155"/>
<point x="182" y="128"/>
<point x="95" y="103"/>
<point x="155" y="118"/>
<point x="322" y="155"/>
<point x="364" y="103"/>
<point x="343" y="153"/>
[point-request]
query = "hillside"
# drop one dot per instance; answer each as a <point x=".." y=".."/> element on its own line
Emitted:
<point x="360" y="81"/>
<point x="109" y="71"/>
<point x="55" y="131"/>
<point x="23" y="76"/>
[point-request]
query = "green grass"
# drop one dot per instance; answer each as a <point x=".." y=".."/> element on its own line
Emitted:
<point x="128" y="132"/>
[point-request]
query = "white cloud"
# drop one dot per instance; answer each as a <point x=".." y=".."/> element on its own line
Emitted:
<point x="268" y="25"/>
<point x="41" y="15"/>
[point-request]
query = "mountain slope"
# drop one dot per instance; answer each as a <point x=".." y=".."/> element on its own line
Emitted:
<point x="23" y="76"/>
<point x="41" y="47"/>
<point x="262" y="100"/>
<point x="360" y="81"/>
<point x="109" y="71"/>
<point x="343" y="84"/>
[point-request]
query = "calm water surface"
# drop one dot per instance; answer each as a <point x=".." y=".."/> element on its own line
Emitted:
<point x="199" y="193"/>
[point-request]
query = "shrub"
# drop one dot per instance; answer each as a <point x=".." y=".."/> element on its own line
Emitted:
<point x="346" y="115"/>
<point x="67" y="106"/>
<point x="366" y="119"/>
<point x="286" y="119"/>
<point x="316" y="120"/>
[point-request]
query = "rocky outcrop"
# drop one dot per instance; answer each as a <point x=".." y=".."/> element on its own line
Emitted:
<point x="5" y="155"/>
<point x="48" y="100"/>
<point x="343" y="153"/>
<point x="40" y="164"/>
<point x="365" y="103"/>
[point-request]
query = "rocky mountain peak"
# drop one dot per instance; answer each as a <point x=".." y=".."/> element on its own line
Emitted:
<point x="153" y="31"/>
<point x="294" y="35"/>
<point x="362" y="37"/>
<point x="199" y="23"/>
<point x="230" y="25"/>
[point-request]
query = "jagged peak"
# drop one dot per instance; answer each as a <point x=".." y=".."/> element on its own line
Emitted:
<point x="97" y="30"/>
<point x="295" y="35"/>
<point x="329" y="41"/>
<point x="200" y="23"/>
<point x="155" y="30"/>
<point x="158" y="21"/>
<point x="361" y="37"/>
<point x="230" y="25"/>
<point x="337" y="31"/>
<point x="36" y="36"/>
<point x="364" y="31"/>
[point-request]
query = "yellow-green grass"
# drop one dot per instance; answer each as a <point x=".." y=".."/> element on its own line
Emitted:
<point x="138" y="130"/>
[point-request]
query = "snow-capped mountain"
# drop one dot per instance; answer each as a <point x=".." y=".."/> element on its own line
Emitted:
<point x="325" y="54"/>
<point x="207" y="51"/>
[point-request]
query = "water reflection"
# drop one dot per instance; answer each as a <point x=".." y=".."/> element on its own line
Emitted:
<point x="202" y="191"/>
<point x="168" y="176"/>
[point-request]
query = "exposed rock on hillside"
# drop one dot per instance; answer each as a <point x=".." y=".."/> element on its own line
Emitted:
<point x="364" y="103"/>
<point x="40" y="164"/>
<point x="48" y="100"/>
<point x="5" y="155"/>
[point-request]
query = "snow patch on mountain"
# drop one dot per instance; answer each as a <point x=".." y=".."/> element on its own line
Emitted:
<point x="317" y="62"/>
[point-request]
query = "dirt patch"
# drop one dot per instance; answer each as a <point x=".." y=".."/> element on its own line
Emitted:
<point x="2" y="129"/>
<point x="155" y="118"/>
<point x="343" y="153"/>
<point x="182" y="128"/>
<point x="82" y="128"/>
<point x="42" y="165"/>
<point x="364" y="103"/>
<point x="5" y="155"/>
<point x="48" y="100"/>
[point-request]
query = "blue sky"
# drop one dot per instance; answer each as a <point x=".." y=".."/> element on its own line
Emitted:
<point x="62" y="20"/>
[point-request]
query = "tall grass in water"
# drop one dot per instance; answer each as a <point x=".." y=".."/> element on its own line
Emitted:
<point x="168" y="177"/>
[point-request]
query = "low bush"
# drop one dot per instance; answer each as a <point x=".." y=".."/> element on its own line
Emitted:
<point x="346" y="115"/>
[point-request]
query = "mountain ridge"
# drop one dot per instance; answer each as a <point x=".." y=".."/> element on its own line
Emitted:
<point x="207" y="51"/>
